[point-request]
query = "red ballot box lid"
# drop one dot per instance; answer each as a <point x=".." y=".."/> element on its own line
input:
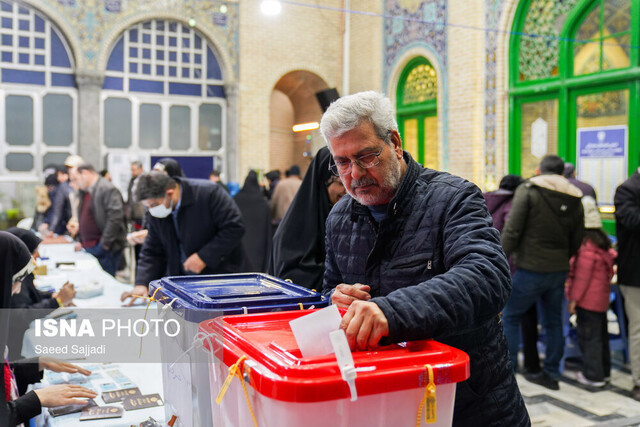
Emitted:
<point x="275" y="367"/>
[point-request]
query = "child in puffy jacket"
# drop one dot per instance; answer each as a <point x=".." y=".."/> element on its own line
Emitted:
<point x="587" y="290"/>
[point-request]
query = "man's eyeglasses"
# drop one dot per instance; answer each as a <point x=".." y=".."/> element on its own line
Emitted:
<point x="365" y="162"/>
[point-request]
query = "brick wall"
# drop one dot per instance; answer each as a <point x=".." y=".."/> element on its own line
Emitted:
<point x="466" y="89"/>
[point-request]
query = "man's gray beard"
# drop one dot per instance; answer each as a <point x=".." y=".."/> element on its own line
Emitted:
<point x="388" y="187"/>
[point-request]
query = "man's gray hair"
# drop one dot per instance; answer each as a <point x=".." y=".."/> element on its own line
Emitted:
<point x="351" y="111"/>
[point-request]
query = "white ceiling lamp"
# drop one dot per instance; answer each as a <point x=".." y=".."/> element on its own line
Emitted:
<point x="271" y="7"/>
<point x="306" y="126"/>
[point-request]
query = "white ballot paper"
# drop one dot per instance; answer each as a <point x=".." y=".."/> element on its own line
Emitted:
<point x="312" y="331"/>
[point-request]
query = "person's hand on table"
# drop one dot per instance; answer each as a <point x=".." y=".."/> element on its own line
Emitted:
<point x="73" y="227"/>
<point x="345" y="294"/>
<point x="44" y="230"/>
<point x="194" y="264"/>
<point x="77" y="246"/>
<point x="66" y="294"/>
<point x="60" y="366"/>
<point x="138" y="290"/>
<point x="137" y="237"/>
<point x="364" y="324"/>
<point x="64" y="394"/>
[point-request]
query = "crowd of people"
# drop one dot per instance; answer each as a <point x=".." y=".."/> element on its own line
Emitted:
<point x="409" y="252"/>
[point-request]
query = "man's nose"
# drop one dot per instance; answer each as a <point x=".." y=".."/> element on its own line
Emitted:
<point x="357" y="171"/>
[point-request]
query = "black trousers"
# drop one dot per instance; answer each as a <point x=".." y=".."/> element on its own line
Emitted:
<point x="593" y="339"/>
<point x="529" y="328"/>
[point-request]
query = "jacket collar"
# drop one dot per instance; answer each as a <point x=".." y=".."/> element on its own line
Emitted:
<point x="556" y="183"/>
<point x="187" y="195"/>
<point x="402" y="194"/>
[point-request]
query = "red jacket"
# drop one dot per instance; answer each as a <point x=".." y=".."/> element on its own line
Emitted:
<point x="590" y="277"/>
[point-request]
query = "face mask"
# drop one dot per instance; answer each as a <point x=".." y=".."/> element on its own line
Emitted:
<point x="161" y="211"/>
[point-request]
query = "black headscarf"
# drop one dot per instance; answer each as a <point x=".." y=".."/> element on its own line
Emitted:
<point x="27" y="236"/>
<point x="15" y="257"/>
<point x="257" y="222"/>
<point x="298" y="245"/>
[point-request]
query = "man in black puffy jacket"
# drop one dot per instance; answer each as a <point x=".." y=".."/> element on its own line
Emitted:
<point x="411" y="252"/>
<point x="627" y="201"/>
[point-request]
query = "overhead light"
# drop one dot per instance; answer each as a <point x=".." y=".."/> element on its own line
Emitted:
<point x="270" y="7"/>
<point x="192" y="22"/>
<point x="223" y="8"/>
<point x="306" y="126"/>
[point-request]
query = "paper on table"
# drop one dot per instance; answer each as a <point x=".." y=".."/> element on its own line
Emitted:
<point x="312" y="331"/>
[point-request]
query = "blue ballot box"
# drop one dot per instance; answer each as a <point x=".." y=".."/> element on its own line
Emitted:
<point x="193" y="299"/>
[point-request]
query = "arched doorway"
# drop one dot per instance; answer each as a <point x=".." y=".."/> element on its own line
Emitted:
<point x="417" y="111"/>
<point x="293" y="101"/>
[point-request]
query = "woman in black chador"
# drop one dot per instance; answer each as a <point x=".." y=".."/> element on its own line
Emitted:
<point x="298" y="245"/>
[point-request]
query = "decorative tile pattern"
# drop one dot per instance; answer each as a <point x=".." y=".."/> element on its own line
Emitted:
<point x="539" y="55"/>
<point x="408" y="22"/>
<point x="493" y="12"/>
<point x="93" y="20"/>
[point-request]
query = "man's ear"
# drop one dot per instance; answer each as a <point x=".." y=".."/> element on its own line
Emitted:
<point x="397" y="143"/>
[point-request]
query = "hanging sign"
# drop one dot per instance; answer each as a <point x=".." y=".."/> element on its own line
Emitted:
<point x="601" y="159"/>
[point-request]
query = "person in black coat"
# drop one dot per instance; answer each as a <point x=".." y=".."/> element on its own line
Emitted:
<point x="195" y="227"/>
<point x="627" y="202"/>
<point x="16" y="265"/>
<point x="298" y="245"/>
<point x="30" y="303"/>
<point x="256" y="215"/>
<point x="411" y="254"/>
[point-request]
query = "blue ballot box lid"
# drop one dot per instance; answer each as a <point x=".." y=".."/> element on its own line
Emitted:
<point x="203" y="297"/>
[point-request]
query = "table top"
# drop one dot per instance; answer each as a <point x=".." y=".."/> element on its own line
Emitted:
<point x="100" y="290"/>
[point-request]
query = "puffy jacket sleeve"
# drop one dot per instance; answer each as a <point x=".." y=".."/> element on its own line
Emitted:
<point x="474" y="287"/>
<point x="627" y="207"/>
<point x="228" y="219"/>
<point x="516" y="220"/>
<point x="582" y="266"/>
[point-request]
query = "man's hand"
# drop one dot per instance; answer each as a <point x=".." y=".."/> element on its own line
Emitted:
<point x="345" y="294"/>
<point x="64" y="394"/>
<point x="571" y="307"/>
<point x="73" y="227"/>
<point x="66" y="294"/>
<point x="137" y="237"/>
<point x="194" y="264"/>
<point x="365" y="324"/>
<point x="60" y="366"/>
<point x="44" y="230"/>
<point x="138" y="290"/>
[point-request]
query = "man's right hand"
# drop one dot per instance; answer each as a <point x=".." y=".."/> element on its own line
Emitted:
<point x="138" y="290"/>
<point x="345" y="294"/>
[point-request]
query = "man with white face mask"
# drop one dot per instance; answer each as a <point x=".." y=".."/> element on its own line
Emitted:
<point x="195" y="228"/>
